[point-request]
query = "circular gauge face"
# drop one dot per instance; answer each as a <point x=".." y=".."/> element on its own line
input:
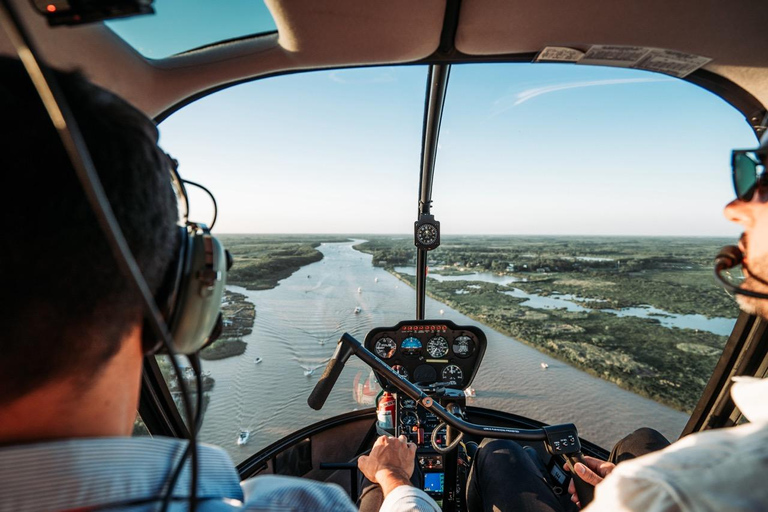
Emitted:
<point x="411" y="347"/>
<point x="454" y="373"/>
<point x="385" y="347"/>
<point x="409" y="419"/>
<point x="401" y="371"/>
<point x="426" y="234"/>
<point x="437" y="347"/>
<point x="463" y="346"/>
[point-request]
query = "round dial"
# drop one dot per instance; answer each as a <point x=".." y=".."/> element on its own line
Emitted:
<point x="409" y="419"/>
<point x="411" y="347"/>
<point x="426" y="234"/>
<point x="454" y="373"/>
<point x="437" y="347"/>
<point x="463" y="346"/>
<point x="401" y="371"/>
<point x="385" y="347"/>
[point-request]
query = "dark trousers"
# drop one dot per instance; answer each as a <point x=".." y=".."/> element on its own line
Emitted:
<point x="504" y="477"/>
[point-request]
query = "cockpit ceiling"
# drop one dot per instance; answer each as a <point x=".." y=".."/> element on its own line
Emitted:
<point x="335" y="33"/>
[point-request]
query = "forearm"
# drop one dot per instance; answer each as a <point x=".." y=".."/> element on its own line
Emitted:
<point x="390" y="479"/>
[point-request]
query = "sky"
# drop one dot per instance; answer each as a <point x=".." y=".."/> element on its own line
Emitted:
<point x="524" y="149"/>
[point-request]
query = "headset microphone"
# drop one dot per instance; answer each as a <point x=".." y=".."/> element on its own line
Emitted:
<point x="729" y="257"/>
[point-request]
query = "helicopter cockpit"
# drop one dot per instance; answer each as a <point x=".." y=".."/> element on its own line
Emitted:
<point x="451" y="220"/>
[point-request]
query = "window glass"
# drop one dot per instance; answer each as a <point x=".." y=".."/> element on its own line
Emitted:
<point x="304" y="168"/>
<point x="139" y="428"/>
<point x="581" y="209"/>
<point x="181" y="25"/>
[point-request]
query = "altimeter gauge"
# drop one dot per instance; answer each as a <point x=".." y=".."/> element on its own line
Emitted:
<point x="437" y="347"/>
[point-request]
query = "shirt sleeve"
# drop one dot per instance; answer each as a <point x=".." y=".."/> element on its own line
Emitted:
<point x="620" y="493"/>
<point x="272" y="492"/>
<point x="407" y="498"/>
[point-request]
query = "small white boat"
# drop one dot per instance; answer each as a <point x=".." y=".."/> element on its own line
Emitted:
<point x="544" y="365"/>
<point x="358" y="309"/>
<point x="309" y="372"/>
<point x="442" y="312"/>
<point x="242" y="437"/>
<point x="470" y="393"/>
<point x="359" y="290"/>
<point x="375" y="279"/>
<point x="257" y="360"/>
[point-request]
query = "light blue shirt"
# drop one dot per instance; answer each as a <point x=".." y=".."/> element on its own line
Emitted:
<point x="121" y="473"/>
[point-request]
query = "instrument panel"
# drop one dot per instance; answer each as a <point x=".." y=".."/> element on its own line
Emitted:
<point x="429" y="351"/>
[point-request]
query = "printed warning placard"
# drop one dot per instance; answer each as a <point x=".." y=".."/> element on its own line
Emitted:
<point x="559" y="54"/>
<point x="611" y="55"/>
<point x="671" y="62"/>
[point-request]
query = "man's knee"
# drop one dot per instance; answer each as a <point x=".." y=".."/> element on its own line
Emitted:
<point x="640" y="442"/>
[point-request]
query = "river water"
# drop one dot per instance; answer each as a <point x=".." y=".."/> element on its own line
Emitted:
<point x="296" y="329"/>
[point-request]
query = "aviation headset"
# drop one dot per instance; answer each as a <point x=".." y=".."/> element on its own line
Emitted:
<point x="190" y="295"/>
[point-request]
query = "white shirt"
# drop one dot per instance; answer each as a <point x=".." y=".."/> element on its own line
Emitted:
<point x="716" y="470"/>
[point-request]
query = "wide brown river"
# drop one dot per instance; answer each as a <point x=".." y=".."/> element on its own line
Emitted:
<point x="299" y="321"/>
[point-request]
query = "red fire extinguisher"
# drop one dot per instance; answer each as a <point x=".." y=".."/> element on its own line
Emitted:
<point x="385" y="413"/>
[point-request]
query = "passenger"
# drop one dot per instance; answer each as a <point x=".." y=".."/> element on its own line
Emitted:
<point x="722" y="469"/>
<point x="71" y="348"/>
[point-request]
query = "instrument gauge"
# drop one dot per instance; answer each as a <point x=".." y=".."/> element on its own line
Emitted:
<point x="463" y="346"/>
<point x="385" y="347"/>
<point x="409" y="419"/>
<point x="454" y="373"/>
<point x="437" y="347"/>
<point x="401" y="371"/>
<point x="408" y="403"/>
<point x="411" y="347"/>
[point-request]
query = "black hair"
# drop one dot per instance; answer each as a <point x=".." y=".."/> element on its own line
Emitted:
<point x="68" y="306"/>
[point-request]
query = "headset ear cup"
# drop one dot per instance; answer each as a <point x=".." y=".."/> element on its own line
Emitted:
<point x="198" y="304"/>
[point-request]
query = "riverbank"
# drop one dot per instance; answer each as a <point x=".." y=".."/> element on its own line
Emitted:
<point x="238" y="316"/>
<point x="262" y="261"/>
<point x="670" y="366"/>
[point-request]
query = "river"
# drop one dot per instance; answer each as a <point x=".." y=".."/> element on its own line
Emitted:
<point x="296" y="328"/>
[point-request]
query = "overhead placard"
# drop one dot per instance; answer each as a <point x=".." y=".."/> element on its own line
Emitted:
<point x="611" y="55"/>
<point x="671" y="62"/>
<point x="559" y="54"/>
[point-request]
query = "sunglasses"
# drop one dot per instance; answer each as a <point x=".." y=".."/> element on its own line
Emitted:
<point x="748" y="167"/>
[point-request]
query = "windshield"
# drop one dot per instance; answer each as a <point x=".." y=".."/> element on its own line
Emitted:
<point x="580" y="211"/>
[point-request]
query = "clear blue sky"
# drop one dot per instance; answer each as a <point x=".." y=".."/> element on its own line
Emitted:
<point x="524" y="149"/>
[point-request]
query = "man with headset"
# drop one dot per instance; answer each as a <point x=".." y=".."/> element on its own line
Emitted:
<point x="71" y="350"/>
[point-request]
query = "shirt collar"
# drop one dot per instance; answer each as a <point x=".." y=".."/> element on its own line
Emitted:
<point x="751" y="397"/>
<point x="83" y="473"/>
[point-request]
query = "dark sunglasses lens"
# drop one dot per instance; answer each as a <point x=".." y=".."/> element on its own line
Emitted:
<point x="744" y="176"/>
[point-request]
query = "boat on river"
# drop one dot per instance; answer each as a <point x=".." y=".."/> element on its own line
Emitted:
<point x="257" y="360"/>
<point x="243" y="437"/>
<point x="544" y="366"/>
<point x="358" y="309"/>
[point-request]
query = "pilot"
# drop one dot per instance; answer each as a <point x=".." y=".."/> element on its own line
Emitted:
<point x="71" y="349"/>
<point x="722" y="469"/>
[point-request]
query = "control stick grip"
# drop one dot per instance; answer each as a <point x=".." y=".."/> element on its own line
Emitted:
<point x="324" y="386"/>
<point x="585" y="491"/>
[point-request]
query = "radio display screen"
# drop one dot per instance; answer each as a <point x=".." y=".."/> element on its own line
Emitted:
<point x="433" y="482"/>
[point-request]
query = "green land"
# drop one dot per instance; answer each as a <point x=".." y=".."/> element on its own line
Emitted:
<point x="669" y="365"/>
<point x="238" y="315"/>
<point x="260" y="261"/>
